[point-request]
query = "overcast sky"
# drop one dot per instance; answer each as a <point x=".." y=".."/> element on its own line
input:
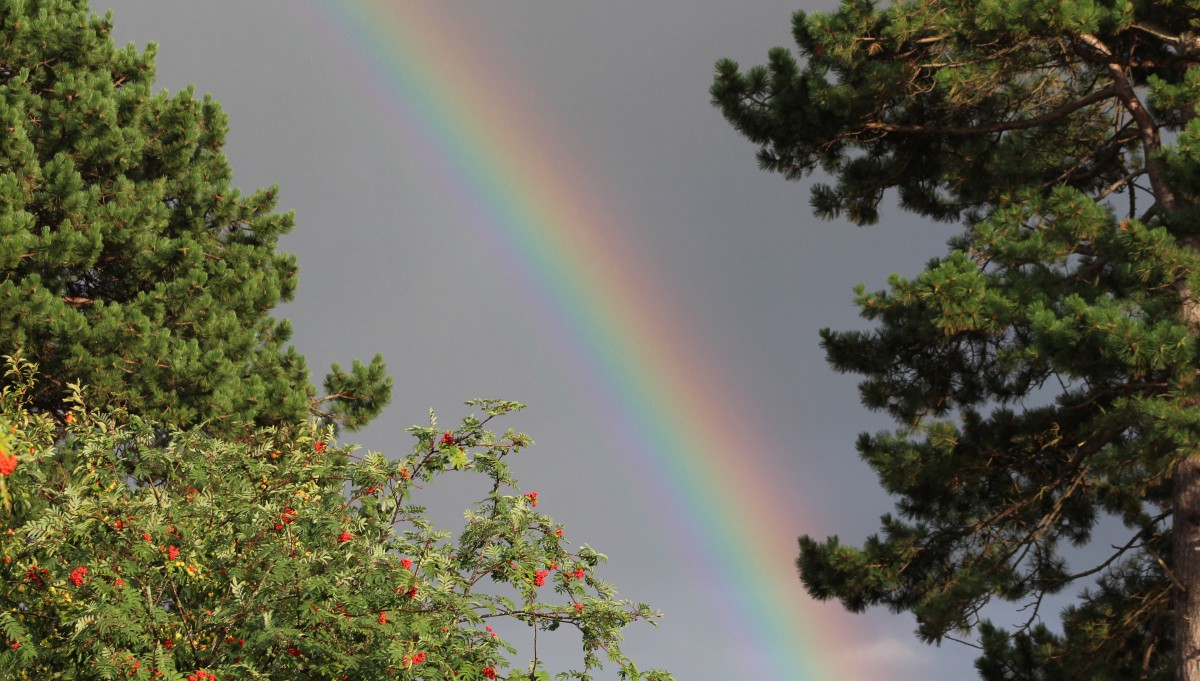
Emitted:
<point x="391" y="262"/>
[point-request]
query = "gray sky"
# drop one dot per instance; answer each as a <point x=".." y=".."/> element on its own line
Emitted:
<point x="391" y="263"/>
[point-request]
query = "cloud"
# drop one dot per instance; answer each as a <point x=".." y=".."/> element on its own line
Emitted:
<point x="889" y="655"/>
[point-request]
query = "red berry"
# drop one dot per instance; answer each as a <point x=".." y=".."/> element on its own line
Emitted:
<point x="8" y="463"/>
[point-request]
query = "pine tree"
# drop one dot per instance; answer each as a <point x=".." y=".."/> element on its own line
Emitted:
<point x="1042" y="373"/>
<point x="128" y="262"/>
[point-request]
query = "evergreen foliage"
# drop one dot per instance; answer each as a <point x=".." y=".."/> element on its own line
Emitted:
<point x="1042" y="374"/>
<point x="132" y="552"/>
<point x="128" y="262"/>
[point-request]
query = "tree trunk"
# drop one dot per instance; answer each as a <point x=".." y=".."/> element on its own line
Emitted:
<point x="1185" y="540"/>
<point x="1186" y="559"/>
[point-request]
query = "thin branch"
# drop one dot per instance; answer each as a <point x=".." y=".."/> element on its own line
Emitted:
<point x="1147" y="128"/>
<point x="1188" y="44"/>
<point x="1006" y="126"/>
<point x="1120" y="551"/>
<point x="963" y="641"/>
<point x="1116" y="186"/>
<point x="1166" y="569"/>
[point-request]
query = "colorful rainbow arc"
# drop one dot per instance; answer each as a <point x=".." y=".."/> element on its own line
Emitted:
<point x="433" y="73"/>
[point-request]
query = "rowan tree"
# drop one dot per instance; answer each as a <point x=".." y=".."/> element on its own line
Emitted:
<point x="128" y="261"/>
<point x="134" y="551"/>
<point x="1043" y="372"/>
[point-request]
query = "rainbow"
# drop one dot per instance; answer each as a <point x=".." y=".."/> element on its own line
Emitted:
<point x="697" y="439"/>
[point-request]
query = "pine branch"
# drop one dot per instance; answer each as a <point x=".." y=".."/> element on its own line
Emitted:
<point x="1005" y="126"/>
<point x="1146" y="125"/>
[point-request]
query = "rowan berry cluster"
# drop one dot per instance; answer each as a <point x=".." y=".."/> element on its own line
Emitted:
<point x="78" y="575"/>
<point x="37" y="576"/>
<point x="414" y="659"/>
<point x="8" y="463"/>
<point x="288" y="516"/>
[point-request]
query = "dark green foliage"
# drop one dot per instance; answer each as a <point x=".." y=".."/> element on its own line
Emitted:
<point x="1035" y="401"/>
<point x="127" y="260"/>
<point x="1120" y="631"/>
<point x="953" y="105"/>
<point x="1042" y="374"/>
